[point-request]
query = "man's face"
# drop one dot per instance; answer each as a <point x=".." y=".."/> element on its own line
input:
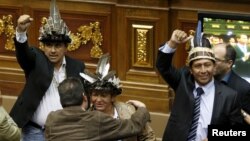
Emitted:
<point x="202" y="70"/>
<point x="243" y="39"/>
<point x="222" y="64"/>
<point x="215" y="40"/>
<point x="55" y="52"/>
<point x="102" y="101"/>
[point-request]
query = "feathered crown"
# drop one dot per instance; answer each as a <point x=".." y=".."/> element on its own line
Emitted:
<point x="55" y="29"/>
<point x="200" y="46"/>
<point x="103" y="79"/>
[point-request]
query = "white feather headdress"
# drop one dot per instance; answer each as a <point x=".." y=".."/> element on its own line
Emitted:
<point x="102" y="73"/>
<point x="55" y="29"/>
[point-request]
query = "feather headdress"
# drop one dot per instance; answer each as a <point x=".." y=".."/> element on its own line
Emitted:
<point x="199" y="40"/>
<point x="200" y="46"/>
<point x="103" y="79"/>
<point x="55" y="29"/>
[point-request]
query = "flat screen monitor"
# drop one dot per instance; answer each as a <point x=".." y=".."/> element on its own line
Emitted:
<point x="233" y="29"/>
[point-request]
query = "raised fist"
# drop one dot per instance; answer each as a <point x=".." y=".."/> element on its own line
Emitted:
<point x="23" y="23"/>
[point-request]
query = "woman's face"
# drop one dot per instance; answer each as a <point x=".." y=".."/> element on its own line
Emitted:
<point x="102" y="101"/>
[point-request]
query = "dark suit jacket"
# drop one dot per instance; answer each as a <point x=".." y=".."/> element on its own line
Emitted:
<point x="243" y="88"/>
<point x="74" y="124"/>
<point x="241" y="67"/>
<point x="225" y="110"/>
<point x="38" y="73"/>
<point x="239" y="52"/>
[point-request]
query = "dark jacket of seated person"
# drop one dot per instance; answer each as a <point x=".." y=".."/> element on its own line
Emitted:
<point x="73" y="122"/>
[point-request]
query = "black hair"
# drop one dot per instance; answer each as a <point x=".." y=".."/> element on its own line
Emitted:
<point x="104" y="87"/>
<point x="55" y="38"/>
<point x="230" y="53"/>
<point x="71" y="92"/>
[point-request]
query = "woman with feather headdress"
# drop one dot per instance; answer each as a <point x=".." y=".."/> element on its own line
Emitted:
<point x="103" y="87"/>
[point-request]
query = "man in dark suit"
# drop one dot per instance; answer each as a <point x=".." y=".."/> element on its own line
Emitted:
<point x="74" y="123"/>
<point x="217" y="103"/>
<point x="44" y="70"/>
<point x="225" y="56"/>
<point x="242" y="49"/>
<point x="242" y="61"/>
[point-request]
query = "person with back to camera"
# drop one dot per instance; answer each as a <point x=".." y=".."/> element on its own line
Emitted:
<point x="44" y="70"/>
<point x="225" y="56"/>
<point x="199" y="100"/>
<point x="103" y="89"/>
<point x="73" y="122"/>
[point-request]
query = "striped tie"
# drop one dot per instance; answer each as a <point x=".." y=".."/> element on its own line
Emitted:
<point x="196" y="116"/>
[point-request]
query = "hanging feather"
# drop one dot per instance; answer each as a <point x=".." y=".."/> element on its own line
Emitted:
<point x="105" y="71"/>
<point x="88" y="78"/>
<point x="198" y="35"/>
<point x="102" y="64"/>
<point x="109" y="75"/>
<point x="54" y="12"/>
<point x="102" y="74"/>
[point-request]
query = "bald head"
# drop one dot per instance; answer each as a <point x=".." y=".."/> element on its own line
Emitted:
<point x="225" y="57"/>
<point x="224" y="51"/>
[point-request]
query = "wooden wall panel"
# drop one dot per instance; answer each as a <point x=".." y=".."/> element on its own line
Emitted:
<point x="137" y="48"/>
<point x="229" y="6"/>
<point x="11" y="76"/>
<point x="185" y="20"/>
<point x="132" y="21"/>
<point x="144" y="3"/>
<point x="4" y="12"/>
<point x="154" y="95"/>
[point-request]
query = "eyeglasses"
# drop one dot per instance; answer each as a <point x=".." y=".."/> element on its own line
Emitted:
<point x="221" y="60"/>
